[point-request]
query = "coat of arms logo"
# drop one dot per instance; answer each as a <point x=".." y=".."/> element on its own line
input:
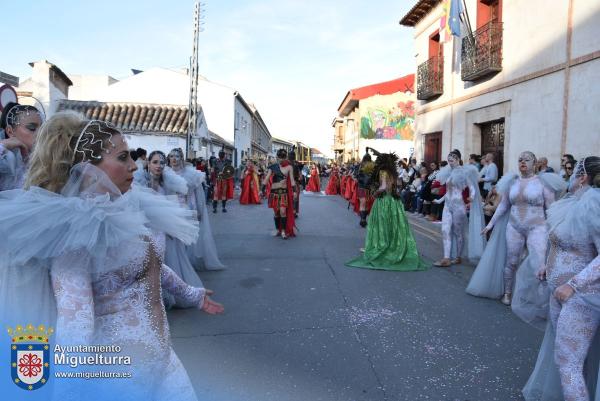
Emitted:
<point x="30" y="355"/>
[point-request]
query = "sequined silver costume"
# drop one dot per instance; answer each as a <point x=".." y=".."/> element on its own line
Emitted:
<point x="457" y="228"/>
<point x="527" y="202"/>
<point x="574" y="258"/>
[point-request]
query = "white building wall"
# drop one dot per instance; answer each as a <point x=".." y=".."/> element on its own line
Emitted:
<point x="157" y="85"/>
<point x="586" y="15"/>
<point x="533" y="107"/>
<point x="165" y="86"/>
<point x="86" y="87"/>
<point x="243" y="131"/>
<point x="44" y="91"/>
<point x="583" y="124"/>
<point x="218" y="105"/>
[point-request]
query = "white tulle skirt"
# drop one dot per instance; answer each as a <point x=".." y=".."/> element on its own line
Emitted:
<point x="488" y="279"/>
<point x="177" y="259"/>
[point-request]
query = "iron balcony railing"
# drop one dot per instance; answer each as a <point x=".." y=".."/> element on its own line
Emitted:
<point x="481" y="53"/>
<point x="430" y="78"/>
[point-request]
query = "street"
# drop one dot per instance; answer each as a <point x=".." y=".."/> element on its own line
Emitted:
<point x="300" y="326"/>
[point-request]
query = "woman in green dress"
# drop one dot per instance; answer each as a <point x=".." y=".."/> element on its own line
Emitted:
<point x="390" y="244"/>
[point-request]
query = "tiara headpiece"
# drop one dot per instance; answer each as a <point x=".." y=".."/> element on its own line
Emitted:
<point x="87" y="139"/>
<point x="579" y="169"/>
<point x="13" y="117"/>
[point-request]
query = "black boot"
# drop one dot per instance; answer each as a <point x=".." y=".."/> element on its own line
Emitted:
<point x="215" y="206"/>
<point x="277" y="230"/>
<point x="363" y="218"/>
<point x="223" y="203"/>
<point x="283" y="226"/>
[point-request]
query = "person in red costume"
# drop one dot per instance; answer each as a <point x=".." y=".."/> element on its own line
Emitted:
<point x="334" y="181"/>
<point x="223" y="186"/>
<point x="281" y="196"/>
<point x="249" y="195"/>
<point x="297" y="169"/>
<point x="314" y="183"/>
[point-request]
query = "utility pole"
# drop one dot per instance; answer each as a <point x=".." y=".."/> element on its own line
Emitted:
<point x="193" y="72"/>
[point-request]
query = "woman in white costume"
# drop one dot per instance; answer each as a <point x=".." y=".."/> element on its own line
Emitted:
<point x="19" y="124"/>
<point x="163" y="180"/>
<point x="203" y="253"/>
<point x="573" y="277"/>
<point x="78" y="224"/>
<point x="457" y="228"/>
<point x="519" y="222"/>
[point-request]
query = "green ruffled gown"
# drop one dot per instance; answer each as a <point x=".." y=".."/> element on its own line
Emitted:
<point x="390" y="244"/>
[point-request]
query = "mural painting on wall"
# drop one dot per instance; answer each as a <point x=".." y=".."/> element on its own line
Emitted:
<point x="385" y="123"/>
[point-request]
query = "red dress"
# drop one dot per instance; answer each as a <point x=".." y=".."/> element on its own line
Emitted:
<point x="332" y="186"/>
<point x="314" y="184"/>
<point x="274" y="203"/>
<point x="349" y="188"/>
<point x="249" y="195"/>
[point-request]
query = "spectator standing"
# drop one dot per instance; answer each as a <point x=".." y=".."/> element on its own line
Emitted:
<point x="490" y="176"/>
<point x="568" y="167"/>
<point x="475" y="161"/>
<point x="566" y="158"/>
<point x="543" y="166"/>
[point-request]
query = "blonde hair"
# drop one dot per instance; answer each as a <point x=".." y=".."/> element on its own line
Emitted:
<point x="54" y="150"/>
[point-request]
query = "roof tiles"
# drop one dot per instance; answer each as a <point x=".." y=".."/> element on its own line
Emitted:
<point x="128" y="117"/>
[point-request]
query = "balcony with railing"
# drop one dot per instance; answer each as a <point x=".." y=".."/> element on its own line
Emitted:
<point x="430" y="78"/>
<point x="481" y="53"/>
<point x="338" y="145"/>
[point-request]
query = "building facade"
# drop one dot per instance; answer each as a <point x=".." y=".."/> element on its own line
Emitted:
<point x="46" y="87"/>
<point x="379" y="116"/>
<point x="518" y="82"/>
<point x="261" y="137"/>
<point x="317" y="156"/>
<point x="303" y="153"/>
<point x="148" y="126"/>
<point x="227" y="115"/>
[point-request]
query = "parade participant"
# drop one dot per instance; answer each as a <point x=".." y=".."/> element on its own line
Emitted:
<point x="389" y="244"/>
<point x="455" y="223"/>
<point x="141" y="160"/>
<point x="222" y="179"/>
<point x="333" y="186"/>
<point x="20" y="124"/>
<point x="572" y="273"/>
<point x="350" y="183"/>
<point x="164" y="181"/>
<point x="203" y="253"/>
<point x="343" y="177"/>
<point x="297" y="168"/>
<point x="79" y="225"/>
<point x="250" y="185"/>
<point x="281" y="195"/>
<point x="314" y="183"/>
<point x="363" y="178"/>
<point x="520" y="218"/>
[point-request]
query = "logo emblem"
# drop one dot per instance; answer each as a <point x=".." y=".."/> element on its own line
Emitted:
<point x="30" y="356"/>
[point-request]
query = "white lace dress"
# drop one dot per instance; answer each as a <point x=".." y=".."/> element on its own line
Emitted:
<point x="124" y="307"/>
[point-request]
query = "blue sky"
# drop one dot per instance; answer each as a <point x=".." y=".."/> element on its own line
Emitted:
<point x="295" y="59"/>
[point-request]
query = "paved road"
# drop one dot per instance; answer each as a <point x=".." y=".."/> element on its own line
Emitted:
<point x="300" y="326"/>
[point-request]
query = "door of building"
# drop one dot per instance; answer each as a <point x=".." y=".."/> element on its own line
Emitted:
<point x="492" y="141"/>
<point x="433" y="147"/>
